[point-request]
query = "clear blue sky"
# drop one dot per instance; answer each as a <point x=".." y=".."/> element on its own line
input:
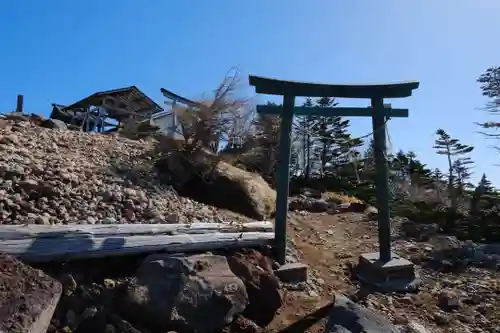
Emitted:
<point x="62" y="50"/>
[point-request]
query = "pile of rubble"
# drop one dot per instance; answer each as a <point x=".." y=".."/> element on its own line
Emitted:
<point x="57" y="176"/>
<point x="186" y="293"/>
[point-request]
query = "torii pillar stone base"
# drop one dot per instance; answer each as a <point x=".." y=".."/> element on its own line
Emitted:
<point x="395" y="275"/>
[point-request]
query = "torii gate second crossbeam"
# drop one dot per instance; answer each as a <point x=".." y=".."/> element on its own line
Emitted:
<point x="379" y="114"/>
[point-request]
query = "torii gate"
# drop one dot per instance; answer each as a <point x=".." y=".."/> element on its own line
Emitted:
<point x="379" y="113"/>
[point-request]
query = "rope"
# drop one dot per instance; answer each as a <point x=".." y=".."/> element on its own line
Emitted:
<point x="304" y="131"/>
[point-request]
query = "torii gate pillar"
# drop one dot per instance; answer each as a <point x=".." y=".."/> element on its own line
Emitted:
<point x="379" y="267"/>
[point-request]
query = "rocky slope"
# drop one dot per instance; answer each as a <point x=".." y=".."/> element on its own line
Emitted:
<point x="54" y="176"/>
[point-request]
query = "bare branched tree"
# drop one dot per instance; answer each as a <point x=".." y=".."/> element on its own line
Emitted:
<point x="226" y="116"/>
<point x="207" y="123"/>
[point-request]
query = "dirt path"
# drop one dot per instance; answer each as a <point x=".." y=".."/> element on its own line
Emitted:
<point x="328" y="244"/>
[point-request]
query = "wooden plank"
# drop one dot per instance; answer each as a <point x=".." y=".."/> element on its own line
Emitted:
<point x="270" y="86"/>
<point x="64" y="248"/>
<point x="11" y="232"/>
<point x="332" y="112"/>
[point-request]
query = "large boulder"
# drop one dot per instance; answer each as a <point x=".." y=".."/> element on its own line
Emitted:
<point x="261" y="284"/>
<point x="197" y="292"/>
<point x="199" y="175"/>
<point x="349" y="317"/>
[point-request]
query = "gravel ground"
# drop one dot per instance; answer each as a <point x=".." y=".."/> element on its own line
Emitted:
<point x="52" y="176"/>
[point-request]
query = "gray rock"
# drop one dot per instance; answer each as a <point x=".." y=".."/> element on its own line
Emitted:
<point x="349" y="317"/>
<point x="197" y="292"/>
<point x="292" y="273"/>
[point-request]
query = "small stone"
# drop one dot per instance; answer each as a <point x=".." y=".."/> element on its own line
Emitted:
<point x="448" y="300"/>
<point x="89" y="312"/>
<point x="172" y="218"/>
<point x="109" y="284"/>
<point x="129" y="214"/>
<point x="91" y="220"/>
<point x="110" y="329"/>
<point x="130" y="192"/>
<point x="28" y="185"/>
<point x="414" y="327"/>
<point x="109" y="220"/>
<point x="475" y="299"/>
<point x="441" y="319"/>
<point x="407" y="299"/>
<point x="66" y="329"/>
<point x="400" y="320"/>
<point x="107" y="196"/>
<point x="44" y="220"/>
<point x="464" y="318"/>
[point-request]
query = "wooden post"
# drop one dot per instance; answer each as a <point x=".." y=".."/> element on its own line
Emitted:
<point x="19" y="106"/>
<point x="382" y="180"/>
<point x="283" y="177"/>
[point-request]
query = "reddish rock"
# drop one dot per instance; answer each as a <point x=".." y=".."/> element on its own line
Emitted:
<point x="28" y="297"/>
<point x="262" y="286"/>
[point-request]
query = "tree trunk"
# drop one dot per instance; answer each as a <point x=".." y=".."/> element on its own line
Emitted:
<point x="304" y="146"/>
<point x="308" y="164"/>
<point x="450" y="220"/>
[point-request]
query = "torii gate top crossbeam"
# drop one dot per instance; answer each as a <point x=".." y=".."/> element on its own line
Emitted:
<point x="305" y="89"/>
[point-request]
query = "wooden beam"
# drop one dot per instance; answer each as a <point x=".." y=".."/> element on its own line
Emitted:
<point x="61" y="247"/>
<point x="270" y="86"/>
<point x="332" y="112"/>
<point x="11" y="232"/>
